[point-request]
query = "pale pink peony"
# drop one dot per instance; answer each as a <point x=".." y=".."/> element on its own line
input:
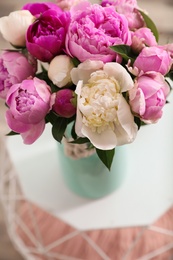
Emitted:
<point x="93" y="29"/>
<point x="14" y="68"/>
<point x="148" y="97"/>
<point x="141" y="38"/>
<point x="28" y="102"/>
<point x="153" y="59"/>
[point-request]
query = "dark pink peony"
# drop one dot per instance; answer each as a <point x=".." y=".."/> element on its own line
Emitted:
<point x="37" y="9"/>
<point x="46" y="36"/>
<point x="63" y="105"/>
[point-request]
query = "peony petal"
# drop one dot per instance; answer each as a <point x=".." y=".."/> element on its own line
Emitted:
<point x="78" y="125"/>
<point x="73" y="49"/>
<point x="16" y="125"/>
<point x="120" y="74"/>
<point x="126" y="121"/>
<point x="84" y="70"/>
<point x="33" y="133"/>
<point x="105" y="140"/>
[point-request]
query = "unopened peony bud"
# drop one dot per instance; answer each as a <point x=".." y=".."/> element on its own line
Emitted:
<point x="64" y="103"/>
<point x="59" y="70"/>
<point x="14" y="27"/>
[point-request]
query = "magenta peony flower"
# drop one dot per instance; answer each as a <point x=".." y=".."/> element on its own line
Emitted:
<point x="93" y="29"/>
<point x="46" y="36"/>
<point x="39" y="8"/>
<point x="28" y="102"/>
<point x="14" y="68"/>
<point x="63" y="105"/>
<point x="153" y="59"/>
<point x="148" y="97"/>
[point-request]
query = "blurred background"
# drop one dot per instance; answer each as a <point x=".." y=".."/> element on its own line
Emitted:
<point x="161" y="12"/>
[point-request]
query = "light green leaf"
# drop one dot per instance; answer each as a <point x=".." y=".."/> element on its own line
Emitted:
<point x="106" y="156"/>
<point x="150" y="24"/>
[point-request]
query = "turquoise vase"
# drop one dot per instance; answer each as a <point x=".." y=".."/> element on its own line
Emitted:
<point x="88" y="177"/>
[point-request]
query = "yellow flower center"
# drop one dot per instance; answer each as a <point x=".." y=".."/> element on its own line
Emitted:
<point x="99" y="98"/>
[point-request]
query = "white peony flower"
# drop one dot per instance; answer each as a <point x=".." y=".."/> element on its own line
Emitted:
<point x="14" y="27"/>
<point x="59" y="70"/>
<point x="103" y="114"/>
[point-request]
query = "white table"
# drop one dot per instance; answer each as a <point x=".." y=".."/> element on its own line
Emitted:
<point x="147" y="191"/>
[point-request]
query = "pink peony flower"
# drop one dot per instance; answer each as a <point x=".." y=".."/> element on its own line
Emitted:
<point x="148" y="97"/>
<point x="28" y="102"/>
<point x="141" y="38"/>
<point x="63" y="104"/>
<point x="130" y="9"/>
<point x="153" y="59"/>
<point x="14" y="68"/>
<point x="93" y="29"/>
<point x="46" y="36"/>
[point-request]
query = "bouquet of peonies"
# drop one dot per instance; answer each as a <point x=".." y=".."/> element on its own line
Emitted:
<point x="97" y="67"/>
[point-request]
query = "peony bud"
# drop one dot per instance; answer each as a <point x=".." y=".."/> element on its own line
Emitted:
<point x="59" y="70"/>
<point x="64" y="105"/>
<point x="14" y="27"/>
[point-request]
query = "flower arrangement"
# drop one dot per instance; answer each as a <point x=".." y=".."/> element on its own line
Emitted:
<point x="97" y="66"/>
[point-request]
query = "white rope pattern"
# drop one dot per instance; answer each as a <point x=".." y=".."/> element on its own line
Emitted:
<point x="11" y="196"/>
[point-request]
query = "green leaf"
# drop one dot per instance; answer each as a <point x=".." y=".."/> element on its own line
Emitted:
<point x="124" y="50"/>
<point x="170" y="75"/>
<point x="80" y="140"/>
<point x="52" y="117"/>
<point x="12" y="133"/>
<point x="106" y="156"/>
<point x="75" y="61"/>
<point x="73" y="133"/>
<point x="59" y="128"/>
<point x="43" y="68"/>
<point x="150" y="24"/>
